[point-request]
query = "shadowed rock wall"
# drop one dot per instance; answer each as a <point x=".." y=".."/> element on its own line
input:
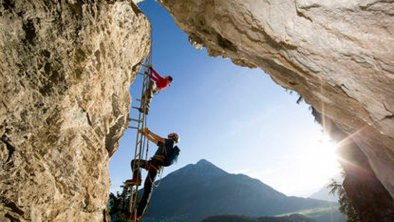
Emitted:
<point x="337" y="54"/>
<point x="65" y="72"/>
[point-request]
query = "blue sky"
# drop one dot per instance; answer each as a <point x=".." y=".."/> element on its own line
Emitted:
<point x="235" y="117"/>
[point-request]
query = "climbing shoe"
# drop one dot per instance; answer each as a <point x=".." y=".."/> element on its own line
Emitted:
<point x="133" y="182"/>
<point x="145" y="111"/>
<point x="135" y="218"/>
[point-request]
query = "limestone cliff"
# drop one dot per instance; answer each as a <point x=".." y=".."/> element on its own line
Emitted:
<point x="65" y="72"/>
<point x="337" y="54"/>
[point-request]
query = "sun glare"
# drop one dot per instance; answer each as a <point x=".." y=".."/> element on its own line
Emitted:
<point x="314" y="165"/>
<point x="321" y="156"/>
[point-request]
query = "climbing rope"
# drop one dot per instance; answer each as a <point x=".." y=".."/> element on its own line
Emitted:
<point x="159" y="180"/>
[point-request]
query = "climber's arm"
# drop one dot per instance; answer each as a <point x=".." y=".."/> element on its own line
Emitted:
<point x="152" y="136"/>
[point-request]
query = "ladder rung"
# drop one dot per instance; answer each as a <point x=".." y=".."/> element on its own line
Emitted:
<point x="139" y="100"/>
<point x="133" y="127"/>
<point x="135" y="120"/>
<point x="134" y="107"/>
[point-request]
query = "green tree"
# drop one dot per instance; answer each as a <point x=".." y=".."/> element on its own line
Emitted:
<point x="345" y="206"/>
<point x="116" y="207"/>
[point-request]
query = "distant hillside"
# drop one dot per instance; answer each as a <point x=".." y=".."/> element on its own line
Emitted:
<point x="236" y="218"/>
<point x="197" y="191"/>
<point x="325" y="214"/>
<point x="324" y="194"/>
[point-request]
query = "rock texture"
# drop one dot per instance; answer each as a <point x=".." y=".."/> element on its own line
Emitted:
<point x="338" y="55"/>
<point x="367" y="194"/>
<point x="65" y="71"/>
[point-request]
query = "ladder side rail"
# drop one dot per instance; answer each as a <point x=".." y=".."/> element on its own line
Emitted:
<point x="140" y="142"/>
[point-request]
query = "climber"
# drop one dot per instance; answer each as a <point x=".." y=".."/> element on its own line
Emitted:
<point x="165" y="155"/>
<point x="156" y="84"/>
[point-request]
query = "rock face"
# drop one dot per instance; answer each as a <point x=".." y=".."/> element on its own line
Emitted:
<point x="366" y="192"/>
<point x="65" y="72"/>
<point x="338" y="55"/>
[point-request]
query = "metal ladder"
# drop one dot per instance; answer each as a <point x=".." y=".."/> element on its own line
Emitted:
<point x="141" y="143"/>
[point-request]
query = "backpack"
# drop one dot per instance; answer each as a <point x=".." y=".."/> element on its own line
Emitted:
<point x="172" y="156"/>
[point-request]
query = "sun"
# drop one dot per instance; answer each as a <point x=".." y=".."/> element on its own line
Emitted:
<point x="310" y="166"/>
<point x="321" y="158"/>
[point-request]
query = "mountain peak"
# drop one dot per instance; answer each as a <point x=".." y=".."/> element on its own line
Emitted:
<point x="208" y="167"/>
<point x="204" y="162"/>
<point x="202" y="167"/>
<point x="214" y="191"/>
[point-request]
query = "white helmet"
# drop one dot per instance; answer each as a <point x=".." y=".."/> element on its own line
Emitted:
<point x="174" y="136"/>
